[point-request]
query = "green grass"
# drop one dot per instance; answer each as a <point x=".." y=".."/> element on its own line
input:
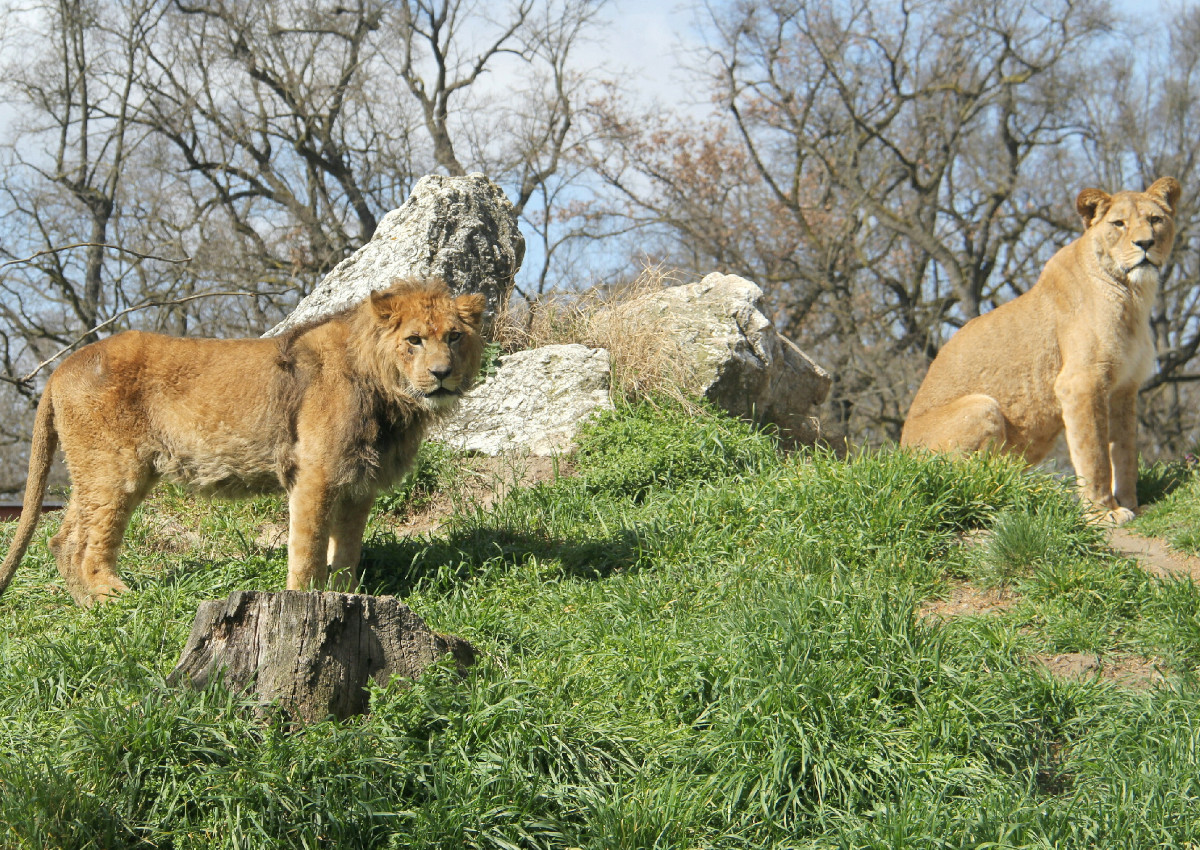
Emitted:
<point x="695" y="642"/>
<point x="1176" y="514"/>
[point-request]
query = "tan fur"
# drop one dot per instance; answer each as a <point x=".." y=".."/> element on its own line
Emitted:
<point x="329" y="413"/>
<point x="1069" y="353"/>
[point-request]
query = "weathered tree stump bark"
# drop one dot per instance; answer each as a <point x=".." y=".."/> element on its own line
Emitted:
<point x="311" y="653"/>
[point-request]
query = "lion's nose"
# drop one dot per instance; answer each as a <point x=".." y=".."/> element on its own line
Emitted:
<point x="440" y="372"/>
<point x="1144" y="244"/>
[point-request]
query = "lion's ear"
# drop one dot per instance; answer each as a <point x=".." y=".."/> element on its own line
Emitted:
<point x="385" y="306"/>
<point x="470" y="309"/>
<point x="1166" y="190"/>
<point x="1091" y="205"/>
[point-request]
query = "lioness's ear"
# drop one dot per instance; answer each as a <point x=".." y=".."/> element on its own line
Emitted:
<point x="385" y="305"/>
<point x="1166" y="190"/>
<point x="470" y="309"/>
<point x="1091" y="205"/>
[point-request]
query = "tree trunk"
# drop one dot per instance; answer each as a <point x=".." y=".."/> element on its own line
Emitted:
<point x="311" y="653"/>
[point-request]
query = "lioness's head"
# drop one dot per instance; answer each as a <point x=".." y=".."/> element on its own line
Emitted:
<point x="431" y="337"/>
<point x="1132" y="232"/>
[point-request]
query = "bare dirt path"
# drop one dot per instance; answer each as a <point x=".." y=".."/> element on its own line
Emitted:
<point x="1153" y="554"/>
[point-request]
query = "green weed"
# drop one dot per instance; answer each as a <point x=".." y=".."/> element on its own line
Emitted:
<point x="436" y="469"/>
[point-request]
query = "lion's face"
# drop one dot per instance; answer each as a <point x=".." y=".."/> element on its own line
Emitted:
<point x="434" y="341"/>
<point x="1131" y="232"/>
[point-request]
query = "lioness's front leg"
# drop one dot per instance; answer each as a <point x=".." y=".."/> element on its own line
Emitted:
<point x="309" y="503"/>
<point x="1085" y="420"/>
<point x="1122" y="434"/>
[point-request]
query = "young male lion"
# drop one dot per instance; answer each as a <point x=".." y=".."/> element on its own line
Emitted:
<point x="1069" y="353"/>
<point x="331" y="413"/>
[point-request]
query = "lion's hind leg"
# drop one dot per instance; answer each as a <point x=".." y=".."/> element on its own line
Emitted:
<point x="64" y="545"/>
<point x="86" y="545"/>
<point x="968" y="424"/>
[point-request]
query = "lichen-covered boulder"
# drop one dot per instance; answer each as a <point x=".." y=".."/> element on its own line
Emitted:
<point x="461" y="229"/>
<point x="534" y="404"/>
<point x="739" y="361"/>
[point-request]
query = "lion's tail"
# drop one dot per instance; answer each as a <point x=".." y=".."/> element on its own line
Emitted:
<point x="41" y="453"/>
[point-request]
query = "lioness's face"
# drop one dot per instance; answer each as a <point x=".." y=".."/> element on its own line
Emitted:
<point x="1133" y="231"/>
<point x="436" y="342"/>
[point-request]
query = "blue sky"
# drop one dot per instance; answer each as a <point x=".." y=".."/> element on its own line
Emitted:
<point x="650" y="38"/>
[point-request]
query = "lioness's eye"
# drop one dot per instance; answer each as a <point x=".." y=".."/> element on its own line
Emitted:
<point x="1118" y="223"/>
<point x="453" y="336"/>
<point x="414" y="340"/>
<point x="1155" y="220"/>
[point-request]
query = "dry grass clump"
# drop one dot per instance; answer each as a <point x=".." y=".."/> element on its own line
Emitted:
<point x="647" y="359"/>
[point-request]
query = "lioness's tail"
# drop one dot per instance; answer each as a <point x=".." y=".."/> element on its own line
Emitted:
<point x="41" y="453"/>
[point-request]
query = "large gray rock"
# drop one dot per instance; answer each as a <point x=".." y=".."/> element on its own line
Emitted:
<point x="534" y="404"/>
<point x="739" y="361"/>
<point x="461" y="229"/>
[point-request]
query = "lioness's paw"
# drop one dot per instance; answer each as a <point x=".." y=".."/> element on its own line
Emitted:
<point x="1117" y="516"/>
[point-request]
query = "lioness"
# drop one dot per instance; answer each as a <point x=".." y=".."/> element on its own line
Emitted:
<point x="1069" y="353"/>
<point x="330" y="413"/>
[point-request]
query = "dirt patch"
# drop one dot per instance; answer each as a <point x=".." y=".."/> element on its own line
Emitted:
<point x="1130" y="671"/>
<point x="168" y="535"/>
<point x="966" y="600"/>
<point x="271" y="535"/>
<point x="1153" y="554"/>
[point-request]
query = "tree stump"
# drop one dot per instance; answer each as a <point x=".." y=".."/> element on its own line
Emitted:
<point x="311" y="653"/>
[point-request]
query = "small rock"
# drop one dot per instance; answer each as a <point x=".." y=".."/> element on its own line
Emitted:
<point x="741" y="362"/>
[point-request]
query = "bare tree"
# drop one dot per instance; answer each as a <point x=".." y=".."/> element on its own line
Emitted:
<point x="65" y="171"/>
<point x="64" y="176"/>
<point x="517" y="87"/>
<point x="290" y="150"/>
<point x="880" y="168"/>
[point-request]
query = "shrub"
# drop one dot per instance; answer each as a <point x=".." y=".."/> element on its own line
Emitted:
<point x="646" y="359"/>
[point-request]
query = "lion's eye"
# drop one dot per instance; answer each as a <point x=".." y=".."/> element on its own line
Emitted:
<point x="453" y="336"/>
<point x="1155" y="220"/>
<point x="1117" y="223"/>
<point x="414" y="340"/>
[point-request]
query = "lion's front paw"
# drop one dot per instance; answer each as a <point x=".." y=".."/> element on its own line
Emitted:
<point x="100" y="592"/>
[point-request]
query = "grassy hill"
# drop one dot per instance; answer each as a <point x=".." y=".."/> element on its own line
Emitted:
<point x="694" y="641"/>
